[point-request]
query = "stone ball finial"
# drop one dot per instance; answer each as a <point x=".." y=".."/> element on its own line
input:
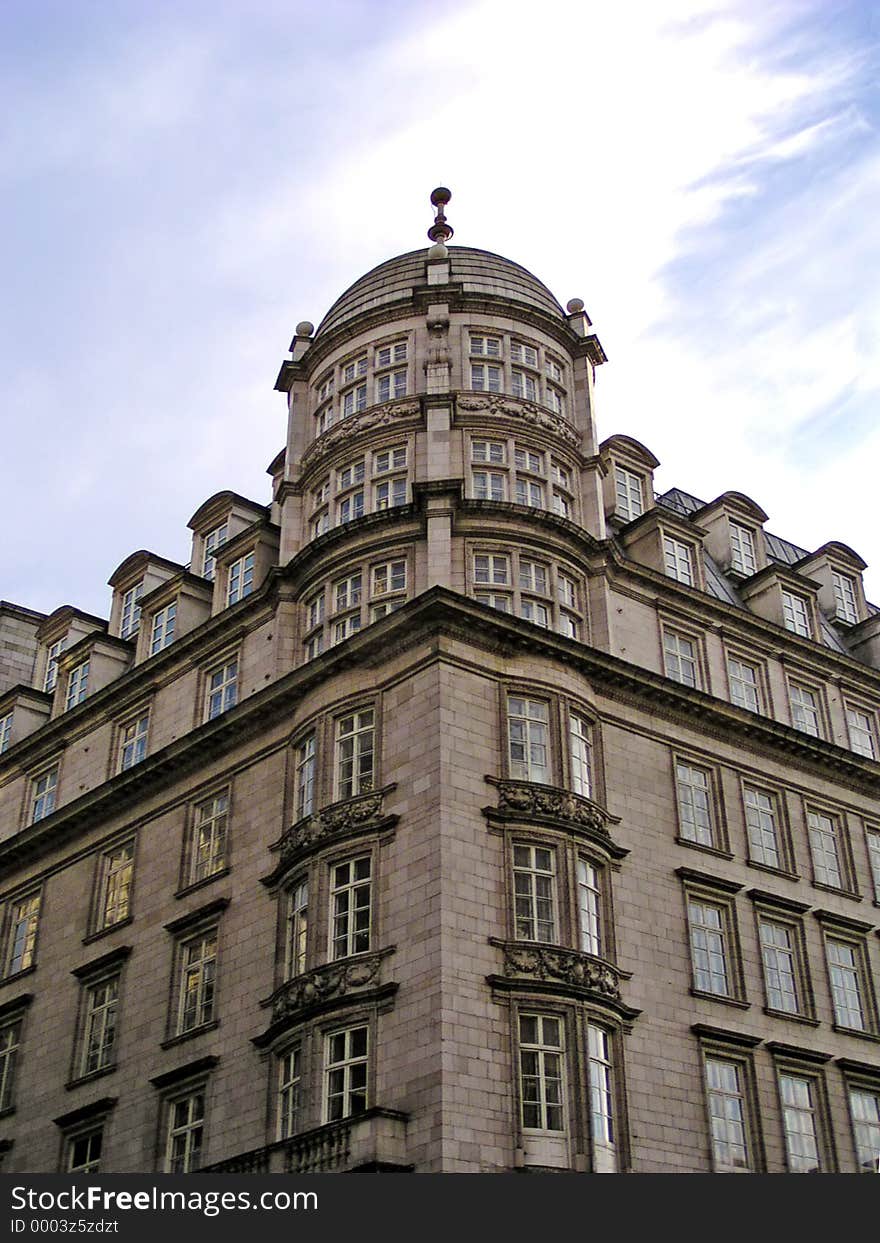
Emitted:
<point x="304" y="328"/>
<point x="438" y="251"/>
<point x="574" y="306"/>
<point x="440" y="197"/>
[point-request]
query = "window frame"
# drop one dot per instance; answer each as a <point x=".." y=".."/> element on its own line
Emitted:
<point x="842" y="849"/>
<point x="526" y="772"/>
<point x="718" y="843"/>
<point x="108" y="1052"/>
<point x="733" y="1050"/>
<point x="799" y="1066"/>
<point x="190" y="1093"/>
<point x="104" y="878"/>
<point x="671" y="631"/>
<point x="345" y="1064"/>
<point x="221" y="666"/>
<point x="207" y="982"/>
<point x="870" y="751"/>
<point x="799" y="686"/>
<point x="712" y="892"/>
<point x="837" y="932"/>
<point x="359" y="782"/>
<point x="759" y="684"/>
<point x="865" y="1081"/>
<point x="782" y="826"/>
<point x="139" y="741"/>
<point x="34" y="795"/>
<point x="189" y="879"/>
<point x="27" y="961"/>
<point x="12" y="1022"/>
<point x="770" y="909"/>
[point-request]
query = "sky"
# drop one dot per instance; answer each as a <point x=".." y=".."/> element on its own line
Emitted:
<point x="180" y="184"/>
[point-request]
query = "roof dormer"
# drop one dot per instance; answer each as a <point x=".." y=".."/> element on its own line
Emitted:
<point x="628" y="478"/>
<point x="61" y="630"/>
<point x="734" y="527"/>
<point x="782" y="595"/>
<point x="668" y="543"/>
<point x="220" y="519"/>
<point x="87" y="666"/>
<point x="170" y="611"/>
<point x="134" y="578"/>
<point x="838" y="572"/>
<point x="243" y="563"/>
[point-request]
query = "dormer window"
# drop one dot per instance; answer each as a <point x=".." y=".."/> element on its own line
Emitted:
<point x="163" y="628"/>
<point x="213" y="540"/>
<point x="52" y="665"/>
<point x="796" y="614"/>
<point x="742" y="548"/>
<point x="679" y="560"/>
<point x="630" y="494"/>
<point x="240" y="582"/>
<point x="77" y="685"/>
<point x="845" y="599"/>
<point x="131" y="611"/>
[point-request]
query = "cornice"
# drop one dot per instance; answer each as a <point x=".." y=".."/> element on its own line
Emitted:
<point x="436" y="611"/>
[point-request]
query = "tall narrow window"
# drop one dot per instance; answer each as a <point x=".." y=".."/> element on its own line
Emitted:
<point x="744" y="686"/>
<point x="214" y="540"/>
<point x="727" y="1114"/>
<point x="133" y="741"/>
<point x="305" y="777"/>
<point x="163" y="628"/>
<point x="680" y="658"/>
<point x="796" y="615"/>
<point x="99" y="1031"/>
<point x="346" y="1068"/>
<point x="51" y="675"/>
<point x="799" y="1123"/>
<point x="708" y="948"/>
<point x="22" y="936"/>
<point x="862" y="735"/>
<point x="222" y="689"/>
<point x="844" y="971"/>
<point x="823" y="831"/>
<point x="873" y="840"/>
<point x="198" y="973"/>
<point x="804" y="709"/>
<point x="528" y="732"/>
<point x="117" y="867"/>
<point x="534" y="886"/>
<point x="186" y="1127"/>
<point x="77" y="685"/>
<point x="350" y="907"/>
<point x="43" y="790"/>
<point x="289" y="1092"/>
<point x="355" y="753"/>
<point x="742" y="549"/>
<point x="629" y="494"/>
<point x="10" y="1039"/>
<point x="581" y="755"/>
<point x="541" y="1072"/>
<point x="779" y="956"/>
<point x="762" y="826"/>
<point x="240" y="580"/>
<point x="208" y="853"/>
<point x="589" y="907"/>
<point x="694" y="803"/>
<point x="679" y="560"/>
<point x="5" y="731"/>
<point x="131" y="611"/>
<point x="864" y="1106"/>
<point x="298" y="928"/>
<point x="847" y="609"/>
<point x="601" y="1087"/>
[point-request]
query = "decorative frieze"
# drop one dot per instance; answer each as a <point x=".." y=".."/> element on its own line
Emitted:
<point x="354" y="815"/>
<point x="567" y="966"/>
<point x="387" y="415"/>
<point x="499" y="405"/>
<point x="332" y="981"/>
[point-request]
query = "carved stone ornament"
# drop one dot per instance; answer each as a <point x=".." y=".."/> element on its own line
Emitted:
<point x="332" y="822"/>
<point x="524" y="799"/>
<point x="333" y="980"/>
<point x="508" y="407"/>
<point x="543" y="962"/>
<point x="366" y="420"/>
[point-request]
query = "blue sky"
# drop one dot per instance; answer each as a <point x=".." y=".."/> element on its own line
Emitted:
<point x="180" y="184"/>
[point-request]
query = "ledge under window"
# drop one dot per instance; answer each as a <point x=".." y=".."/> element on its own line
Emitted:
<point x="191" y="1034"/>
<point x="724" y="1000"/>
<point x="105" y="931"/>
<point x="200" y="884"/>
<point x="80" y="1080"/>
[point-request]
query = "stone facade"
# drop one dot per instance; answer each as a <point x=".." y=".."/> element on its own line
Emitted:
<point x="465" y="808"/>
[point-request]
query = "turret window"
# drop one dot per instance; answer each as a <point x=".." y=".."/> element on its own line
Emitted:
<point x="354" y="369"/>
<point x="525" y="354"/>
<point x="364" y="595"/>
<point x="492" y="451"/>
<point x="524" y="385"/>
<point x="353" y="400"/>
<point x="529" y="577"/>
<point x="533" y="479"/>
<point x="488" y="485"/>
<point x="388" y="355"/>
<point x="490" y="346"/>
<point x="393" y="385"/>
<point x="486" y="379"/>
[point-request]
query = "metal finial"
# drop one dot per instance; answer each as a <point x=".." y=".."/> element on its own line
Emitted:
<point x="440" y="230"/>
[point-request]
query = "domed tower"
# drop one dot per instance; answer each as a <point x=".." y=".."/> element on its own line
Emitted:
<point x="444" y="386"/>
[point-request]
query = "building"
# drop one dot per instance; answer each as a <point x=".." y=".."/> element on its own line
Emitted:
<point x="468" y="807"/>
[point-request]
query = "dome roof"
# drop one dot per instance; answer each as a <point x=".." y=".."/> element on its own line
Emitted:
<point x="479" y="272"/>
